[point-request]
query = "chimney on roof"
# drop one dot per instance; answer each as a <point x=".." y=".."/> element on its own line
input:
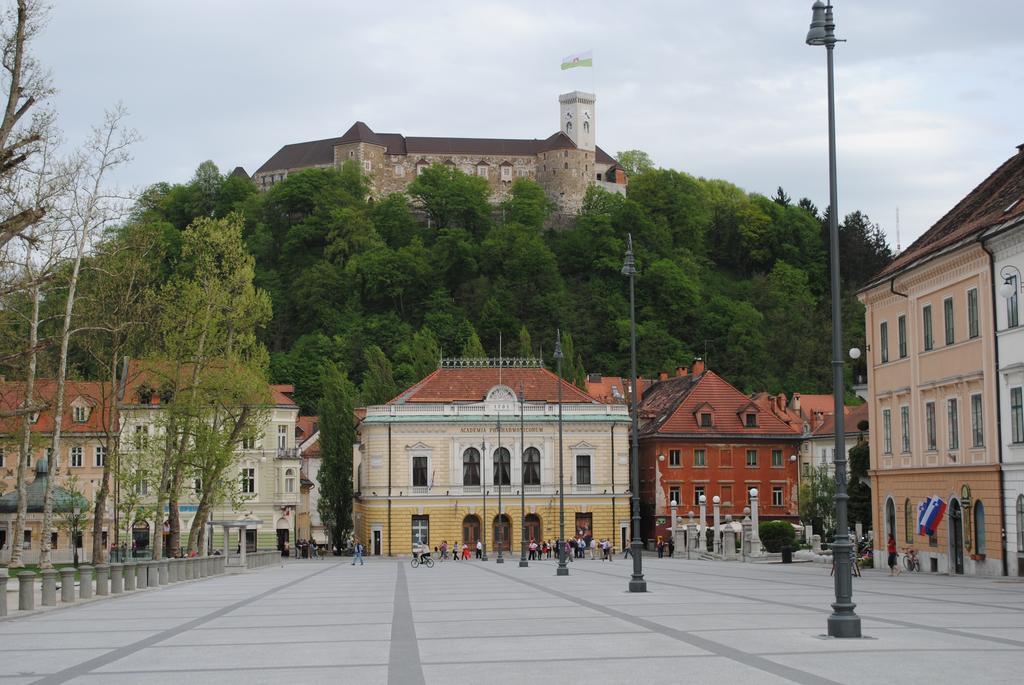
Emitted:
<point x="780" y="402"/>
<point x="681" y="371"/>
<point x="1020" y="149"/>
<point x="698" y="366"/>
<point x="663" y="375"/>
<point x="594" y="378"/>
<point x="796" y="402"/>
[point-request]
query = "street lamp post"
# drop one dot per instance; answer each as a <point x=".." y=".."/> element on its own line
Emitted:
<point x="562" y="569"/>
<point x="843" y="622"/>
<point x="483" y="472"/>
<point x="636" y="581"/>
<point x="523" y="563"/>
<point x="499" y="531"/>
<point x="76" y="522"/>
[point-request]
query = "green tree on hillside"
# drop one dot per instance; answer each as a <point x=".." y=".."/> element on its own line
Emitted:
<point x="337" y="436"/>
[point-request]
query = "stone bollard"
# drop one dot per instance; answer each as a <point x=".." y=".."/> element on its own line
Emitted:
<point x="816" y="544"/>
<point x="26" y="591"/>
<point x="154" y="573"/>
<point x="162" y="571"/>
<point x="745" y="542"/>
<point x="102" y="580"/>
<point x="49" y="587"/>
<point x="175" y="570"/>
<point x="116" y="579"/>
<point x="200" y="567"/>
<point x="3" y="592"/>
<point x="142" y="575"/>
<point x="190" y="568"/>
<point x="691" y="540"/>
<point x="129" y="575"/>
<point x="67" y="585"/>
<point x="729" y="543"/>
<point x="85" y="582"/>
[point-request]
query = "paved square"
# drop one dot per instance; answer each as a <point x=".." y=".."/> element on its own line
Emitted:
<point x="330" y="622"/>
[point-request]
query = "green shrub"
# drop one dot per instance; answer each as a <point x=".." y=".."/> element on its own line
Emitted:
<point x="776" y="534"/>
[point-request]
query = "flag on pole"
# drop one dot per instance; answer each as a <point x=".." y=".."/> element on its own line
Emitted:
<point x="929" y="515"/>
<point x="582" y="59"/>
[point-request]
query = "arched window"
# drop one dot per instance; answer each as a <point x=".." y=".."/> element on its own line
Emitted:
<point x="568" y="127"/>
<point x="289" y="480"/>
<point x="979" y="527"/>
<point x="471" y="466"/>
<point x="531" y="466"/>
<point x="502" y="466"/>
<point x="890" y="517"/>
<point x="586" y="127"/>
<point x="908" y="522"/>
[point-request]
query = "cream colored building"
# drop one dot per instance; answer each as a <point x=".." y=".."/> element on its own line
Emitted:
<point x="427" y="464"/>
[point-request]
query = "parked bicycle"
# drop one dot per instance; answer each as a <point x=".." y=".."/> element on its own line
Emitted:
<point x="910" y="560"/>
<point x="425" y="560"/>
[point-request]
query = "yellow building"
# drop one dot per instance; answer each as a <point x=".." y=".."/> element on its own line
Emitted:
<point x="428" y="464"/>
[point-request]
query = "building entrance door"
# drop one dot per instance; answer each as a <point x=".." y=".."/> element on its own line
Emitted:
<point x="376" y="542"/>
<point x="956" y="537"/>
<point x="282" y="538"/>
<point x="471" y="530"/>
<point x="533" y="529"/>
<point x="502" y="533"/>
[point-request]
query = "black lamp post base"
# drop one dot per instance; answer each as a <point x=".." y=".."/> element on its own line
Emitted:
<point x="637" y="585"/>
<point x="562" y="571"/>
<point x="844" y="625"/>
<point x="523" y="564"/>
<point x="499" y="560"/>
<point x="483" y="557"/>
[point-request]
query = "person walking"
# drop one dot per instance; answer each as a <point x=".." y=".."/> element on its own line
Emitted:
<point x="533" y="550"/>
<point x="455" y="551"/>
<point x="661" y="548"/>
<point x="465" y="552"/>
<point x="890" y="547"/>
<point x="444" y="550"/>
<point x="479" y="549"/>
<point x="357" y="550"/>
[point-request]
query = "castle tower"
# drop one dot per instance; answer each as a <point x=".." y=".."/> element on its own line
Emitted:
<point x="578" y="118"/>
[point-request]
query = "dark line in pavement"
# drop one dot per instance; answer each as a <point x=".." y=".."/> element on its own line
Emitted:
<point x="404" y="666"/>
<point x="121" y="652"/>
<point x="715" y="648"/>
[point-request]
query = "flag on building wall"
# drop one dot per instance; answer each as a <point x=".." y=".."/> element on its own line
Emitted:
<point x="582" y="59"/>
<point x="929" y="515"/>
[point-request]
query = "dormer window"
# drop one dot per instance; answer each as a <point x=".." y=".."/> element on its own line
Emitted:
<point x="79" y="413"/>
<point x="705" y="419"/>
<point x="750" y="420"/>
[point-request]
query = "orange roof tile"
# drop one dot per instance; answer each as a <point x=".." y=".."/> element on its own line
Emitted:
<point x="613" y="389"/>
<point x="470" y="384"/>
<point x="12" y="395"/>
<point x="851" y="417"/>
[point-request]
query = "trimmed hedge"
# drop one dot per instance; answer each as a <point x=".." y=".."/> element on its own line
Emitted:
<point x="776" y="534"/>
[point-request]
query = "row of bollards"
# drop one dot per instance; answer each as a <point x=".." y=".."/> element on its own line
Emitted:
<point x="115" y="579"/>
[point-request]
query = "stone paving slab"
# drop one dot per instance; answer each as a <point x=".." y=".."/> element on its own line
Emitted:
<point x="325" y="621"/>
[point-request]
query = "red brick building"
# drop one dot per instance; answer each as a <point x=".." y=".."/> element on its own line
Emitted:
<point x="700" y="435"/>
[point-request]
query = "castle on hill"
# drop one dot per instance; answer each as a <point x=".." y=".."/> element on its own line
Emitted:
<point x="565" y="163"/>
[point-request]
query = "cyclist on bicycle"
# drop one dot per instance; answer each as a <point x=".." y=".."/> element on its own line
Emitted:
<point x="421" y="551"/>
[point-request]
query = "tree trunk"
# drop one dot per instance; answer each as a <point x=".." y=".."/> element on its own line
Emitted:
<point x="99" y="550"/>
<point x="25" y="457"/>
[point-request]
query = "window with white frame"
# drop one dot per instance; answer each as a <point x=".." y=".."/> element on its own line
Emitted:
<point x="366" y="165"/>
<point x="481" y="170"/>
<point x="506" y="173"/>
<point x="751" y="458"/>
<point x="289" y="480"/>
<point x="1017" y="414"/>
<point x="248" y="477"/>
<point x="929" y="420"/>
<point x="420" y="168"/>
<point x="249" y="443"/>
<point x="100" y="455"/>
<point x="901" y="330"/>
<point x="883" y="335"/>
<point x="698" y="492"/>
<point x="141" y="437"/>
<point x="776" y="459"/>
<point x="419" y="471"/>
<point x="673" y="494"/>
<point x="523" y="172"/>
<point x="79" y="413"/>
<point x="142" y="488"/>
<point x="977" y="424"/>
<point x="973" y="325"/>
<point x="947" y="314"/>
<point x="953" y="421"/>
<point x="674" y="457"/>
<point x="777" y="495"/>
<point x="905" y="427"/>
<point x="700" y="458"/>
<point x="887" y="431"/>
<point x="399" y="170"/>
<point x="76" y="457"/>
<point x="421" y="530"/>
<point x="1012" y="315"/>
<point x="926" y="320"/>
<point x="582" y="469"/>
<point x="282" y="437"/>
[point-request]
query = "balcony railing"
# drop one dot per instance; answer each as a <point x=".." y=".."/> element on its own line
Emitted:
<point x="287" y="453"/>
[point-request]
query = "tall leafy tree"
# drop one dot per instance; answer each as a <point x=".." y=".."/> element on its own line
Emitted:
<point x="378" y="381"/>
<point x="337" y="435"/>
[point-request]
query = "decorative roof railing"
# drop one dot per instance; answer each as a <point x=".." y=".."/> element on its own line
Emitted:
<point x="491" y="363"/>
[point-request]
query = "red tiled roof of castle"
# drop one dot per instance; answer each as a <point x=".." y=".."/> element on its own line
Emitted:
<point x="673" y="406"/>
<point x="470" y="384"/>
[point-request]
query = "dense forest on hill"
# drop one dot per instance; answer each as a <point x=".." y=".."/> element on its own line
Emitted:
<point x="376" y="288"/>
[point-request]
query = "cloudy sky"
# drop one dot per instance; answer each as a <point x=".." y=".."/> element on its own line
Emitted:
<point x="930" y="93"/>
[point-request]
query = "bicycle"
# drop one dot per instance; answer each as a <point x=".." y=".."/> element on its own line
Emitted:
<point x="427" y="561"/>
<point x="910" y="560"/>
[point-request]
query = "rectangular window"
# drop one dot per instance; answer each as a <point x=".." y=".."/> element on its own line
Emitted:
<point x="76" y="457"/>
<point x="905" y="427"/>
<point x="248" y="443"/>
<point x="705" y="420"/>
<point x="101" y="455"/>
<point x="419" y="472"/>
<point x="698" y="492"/>
<point x="777" y="459"/>
<point x="901" y="329"/>
<point x="883" y="333"/>
<point x="776" y="495"/>
<point x="700" y="458"/>
<point x="947" y="314"/>
<point x="1012" y="318"/>
<point x="366" y="165"/>
<point x="142" y="488"/>
<point x="725" y="457"/>
<point x="27" y="540"/>
<point x="141" y="439"/>
<point x="673" y="492"/>
<point x="79" y="414"/>
<point x="420" y="169"/>
<point x="751" y="421"/>
<point x="583" y="469"/>
<point x="1017" y="414"/>
<point x="421" y="530"/>
<point x="977" y="426"/>
<point x="523" y="172"/>
<point x="249" y="481"/>
<point x="929" y="419"/>
<point x="953" y="419"/>
<point x="282" y="437"/>
<point x="926" y="316"/>
<point x="727" y="494"/>
<point x="673" y="455"/>
<point x="807" y="469"/>
<point x="399" y="170"/>
<point x="973" y="327"/>
<point x="506" y="172"/>
<point x="481" y="171"/>
<point x="751" y="458"/>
